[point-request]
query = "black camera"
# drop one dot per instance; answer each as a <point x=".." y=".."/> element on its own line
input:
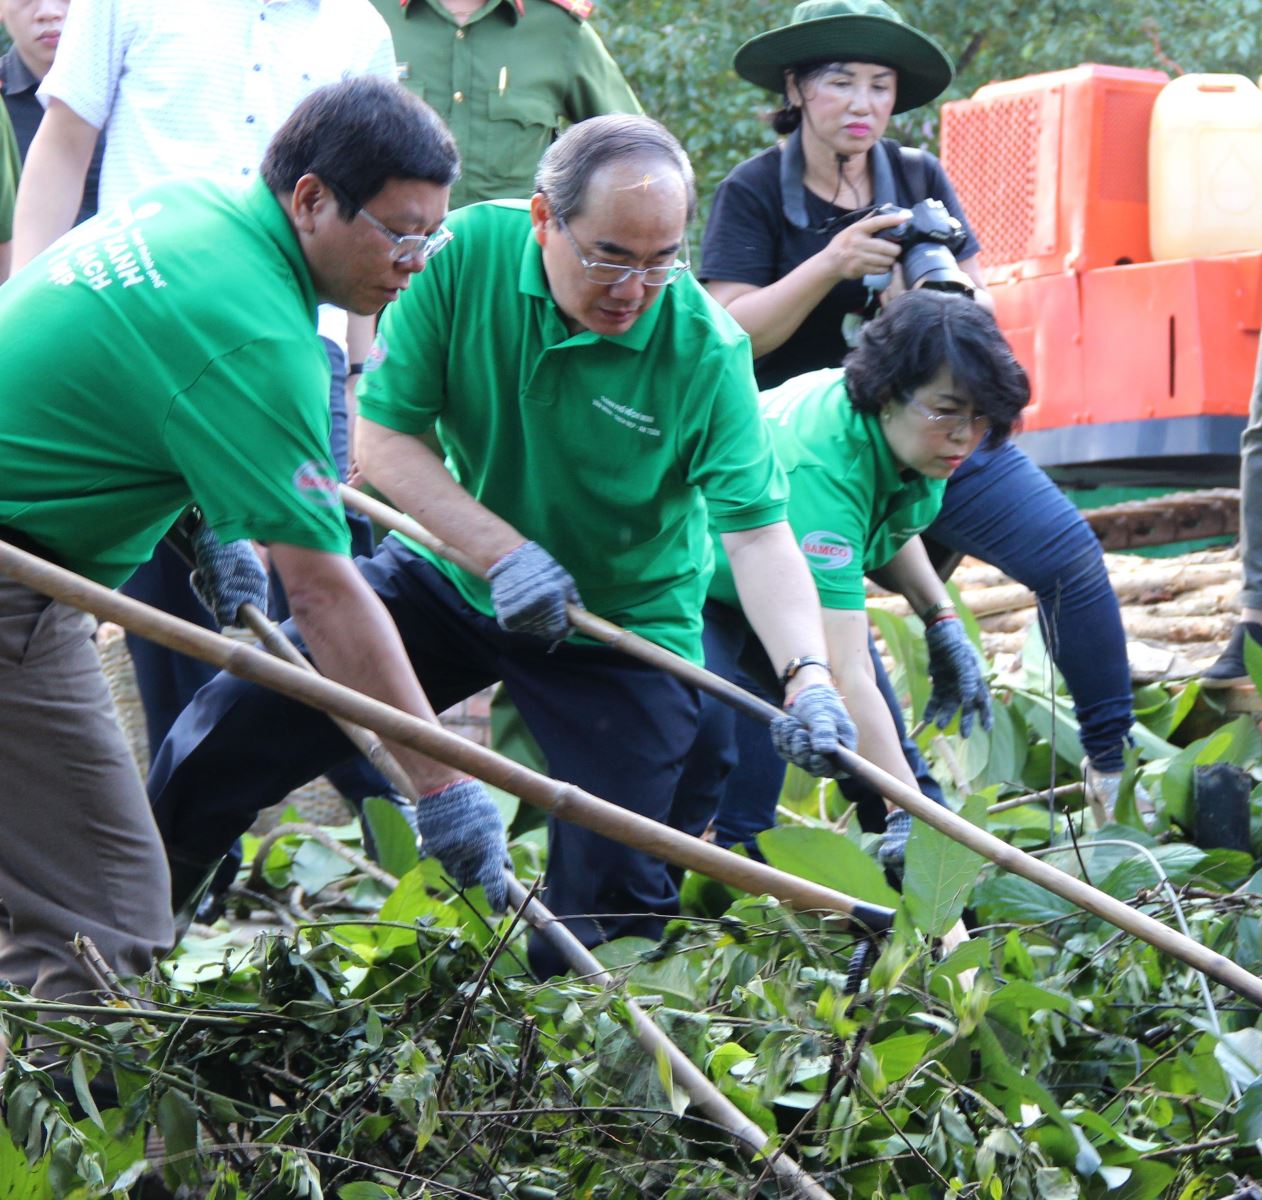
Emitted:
<point x="930" y="238"/>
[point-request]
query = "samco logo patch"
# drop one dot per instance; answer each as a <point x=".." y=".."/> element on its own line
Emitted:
<point x="827" y="551"/>
<point x="316" y="482"/>
<point x="376" y="355"/>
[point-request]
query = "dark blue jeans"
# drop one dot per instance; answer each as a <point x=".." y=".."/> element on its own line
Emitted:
<point x="1004" y="510"/>
<point x="612" y="726"/>
<point x="733" y="773"/>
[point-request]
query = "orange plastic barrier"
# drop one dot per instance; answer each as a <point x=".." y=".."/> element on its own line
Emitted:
<point x="1052" y="169"/>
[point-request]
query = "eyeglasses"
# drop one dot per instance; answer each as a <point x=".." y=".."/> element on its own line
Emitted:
<point x="408" y="246"/>
<point x="955" y="425"/>
<point x="611" y="273"/>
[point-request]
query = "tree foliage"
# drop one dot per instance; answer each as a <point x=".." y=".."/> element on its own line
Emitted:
<point x="389" y="1042"/>
<point x="678" y="55"/>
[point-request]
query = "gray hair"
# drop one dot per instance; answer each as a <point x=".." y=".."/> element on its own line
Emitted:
<point x="570" y="162"/>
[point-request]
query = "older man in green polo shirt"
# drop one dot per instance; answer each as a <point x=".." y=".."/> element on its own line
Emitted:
<point x="591" y="399"/>
<point x="138" y="378"/>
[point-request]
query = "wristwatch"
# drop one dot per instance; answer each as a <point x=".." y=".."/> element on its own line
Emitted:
<point x="806" y="660"/>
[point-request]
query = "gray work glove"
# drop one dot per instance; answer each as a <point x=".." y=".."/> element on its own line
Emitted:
<point x="226" y="575"/>
<point x="811" y="728"/>
<point x="893" y="850"/>
<point x="530" y="590"/>
<point x="460" y="826"/>
<point x="957" y="677"/>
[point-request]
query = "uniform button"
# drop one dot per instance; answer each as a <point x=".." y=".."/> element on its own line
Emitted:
<point x="258" y="66"/>
<point x="249" y="120"/>
<point x="245" y="170"/>
<point x="460" y="35"/>
<point x="458" y="97"/>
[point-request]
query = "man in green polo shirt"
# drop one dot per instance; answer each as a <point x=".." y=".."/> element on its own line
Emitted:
<point x="505" y="75"/>
<point x="139" y="379"/>
<point x="593" y="404"/>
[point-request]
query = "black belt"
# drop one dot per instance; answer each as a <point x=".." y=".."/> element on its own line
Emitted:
<point x="24" y="541"/>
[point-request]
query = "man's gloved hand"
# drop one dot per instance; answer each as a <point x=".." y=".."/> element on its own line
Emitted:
<point x="530" y="590"/>
<point x="460" y="826"/>
<point x="811" y="728"/>
<point x="957" y="677"/>
<point x="226" y="575"/>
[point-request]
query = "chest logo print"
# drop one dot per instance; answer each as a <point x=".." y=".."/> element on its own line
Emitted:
<point x="827" y="551"/>
<point x="624" y="414"/>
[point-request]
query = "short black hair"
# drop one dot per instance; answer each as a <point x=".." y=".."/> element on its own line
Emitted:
<point x="570" y="162"/>
<point x="925" y="330"/>
<point x="357" y="136"/>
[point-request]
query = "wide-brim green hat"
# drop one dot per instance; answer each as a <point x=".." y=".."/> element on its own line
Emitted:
<point x="849" y="31"/>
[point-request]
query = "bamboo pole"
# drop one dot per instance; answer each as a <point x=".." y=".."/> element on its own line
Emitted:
<point x="563" y="800"/>
<point x="1009" y="858"/>
<point x="651" y="1037"/>
<point x="655" y="1042"/>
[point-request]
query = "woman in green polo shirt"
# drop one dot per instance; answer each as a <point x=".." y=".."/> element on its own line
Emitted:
<point x="868" y="449"/>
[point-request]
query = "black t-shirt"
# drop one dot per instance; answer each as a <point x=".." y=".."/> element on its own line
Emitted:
<point x="18" y="87"/>
<point x="750" y="238"/>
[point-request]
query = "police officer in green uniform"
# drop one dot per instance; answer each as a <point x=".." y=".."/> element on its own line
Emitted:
<point x="504" y="75"/>
<point x="137" y="379"/>
<point x="593" y="404"/>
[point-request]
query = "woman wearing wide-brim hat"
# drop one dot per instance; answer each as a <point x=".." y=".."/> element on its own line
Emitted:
<point x="788" y="243"/>
<point x="786" y="249"/>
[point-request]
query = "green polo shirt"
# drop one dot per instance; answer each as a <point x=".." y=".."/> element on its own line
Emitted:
<point x="851" y="506"/>
<point x="604" y="450"/>
<point x="161" y="354"/>
<point x="10" y="169"/>
<point x="504" y="82"/>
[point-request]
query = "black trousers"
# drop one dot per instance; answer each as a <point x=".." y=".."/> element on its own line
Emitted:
<point x="610" y="725"/>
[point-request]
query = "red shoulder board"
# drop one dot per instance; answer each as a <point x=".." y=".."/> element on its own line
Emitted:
<point x="580" y="10"/>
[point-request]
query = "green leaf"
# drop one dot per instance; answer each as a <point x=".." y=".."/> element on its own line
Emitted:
<point x="941" y="872"/>
<point x="1248" y="1119"/>
<point x="177" y="1119"/>
<point x="1004" y="897"/>
<point x="1179" y="861"/>
<point x="315" y="866"/>
<point x="1240" y="1054"/>
<point x="676" y="1096"/>
<point x="392" y="836"/>
<point x="725" y="1057"/>
<point x="832" y="859"/>
<point x="365" y="1190"/>
<point x="1253" y="662"/>
<point x="899" y="1055"/>
<point x="1148" y="1181"/>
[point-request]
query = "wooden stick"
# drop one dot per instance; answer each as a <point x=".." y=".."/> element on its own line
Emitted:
<point x="646" y="1032"/>
<point x="1009" y="858"/>
<point x="1065" y="792"/>
<point x="563" y="800"/>
<point x="655" y="1042"/>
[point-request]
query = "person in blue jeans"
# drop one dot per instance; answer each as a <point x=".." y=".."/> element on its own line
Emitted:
<point x="868" y="449"/>
<point x="791" y="251"/>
